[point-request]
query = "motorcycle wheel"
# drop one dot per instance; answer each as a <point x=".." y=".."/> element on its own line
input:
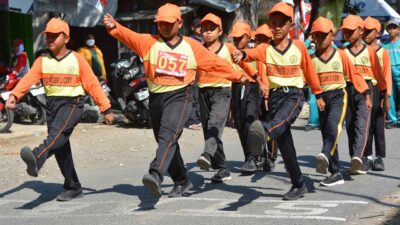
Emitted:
<point x="6" y="120"/>
<point x="40" y="117"/>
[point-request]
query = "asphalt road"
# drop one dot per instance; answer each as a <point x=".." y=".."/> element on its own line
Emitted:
<point x="111" y="175"/>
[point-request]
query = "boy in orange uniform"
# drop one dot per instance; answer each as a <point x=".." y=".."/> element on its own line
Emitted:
<point x="358" y="116"/>
<point x="245" y="98"/>
<point x="333" y="68"/>
<point x="215" y="96"/>
<point x="170" y="62"/>
<point x="66" y="76"/>
<point x="372" y="30"/>
<point x="287" y="62"/>
<point x="267" y="160"/>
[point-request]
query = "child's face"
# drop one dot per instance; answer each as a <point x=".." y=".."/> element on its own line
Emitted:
<point x="393" y="30"/>
<point x="210" y="32"/>
<point x="241" y="42"/>
<point x="169" y="30"/>
<point x="259" y="38"/>
<point x="322" y="40"/>
<point x="56" y="41"/>
<point x="280" y="25"/>
<point x="352" y="36"/>
<point x="370" y="36"/>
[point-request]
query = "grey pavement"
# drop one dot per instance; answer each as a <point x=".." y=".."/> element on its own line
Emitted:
<point x="115" y="195"/>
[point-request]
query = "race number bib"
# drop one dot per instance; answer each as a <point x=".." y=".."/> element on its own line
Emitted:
<point x="170" y="63"/>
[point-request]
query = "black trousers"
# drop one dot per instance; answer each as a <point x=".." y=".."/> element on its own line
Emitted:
<point x="63" y="114"/>
<point x="214" y="108"/>
<point x="284" y="106"/>
<point x="195" y="117"/>
<point x="357" y="121"/>
<point x="245" y="110"/>
<point x="331" y="122"/>
<point x="271" y="148"/>
<point x="169" y="113"/>
<point x="377" y="128"/>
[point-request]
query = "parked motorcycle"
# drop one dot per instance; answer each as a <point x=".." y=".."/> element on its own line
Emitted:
<point x="32" y="106"/>
<point x="130" y="88"/>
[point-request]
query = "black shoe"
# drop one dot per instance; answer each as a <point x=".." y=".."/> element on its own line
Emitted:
<point x="222" y="175"/>
<point x="68" y="195"/>
<point x="249" y="166"/>
<point x="30" y="159"/>
<point x="260" y="162"/>
<point x="180" y="190"/>
<point x="309" y="127"/>
<point x="204" y="161"/>
<point x="295" y="193"/>
<point x="334" y="179"/>
<point x="257" y="138"/>
<point x="367" y="164"/>
<point x="152" y="182"/>
<point x="269" y="165"/>
<point x="378" y="164"/>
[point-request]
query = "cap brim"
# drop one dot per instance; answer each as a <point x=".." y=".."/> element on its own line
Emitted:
<point x="237" y="34"/>
<point x="168" y="19"/>
<point x="277" y="11"/>
<point x="393" y="23"/>
<point x="349" y="27"/>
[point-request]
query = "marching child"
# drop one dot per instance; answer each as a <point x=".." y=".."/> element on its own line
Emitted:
<point x="66" y="77"/>
<point x="372" y="30"/>
<point x="267" y="160"/>
<point x="334" y="69"/>
<point x="245" y="98"/>
<point x="287" y="61"/>
<point x="215" y="97"/>
<point x="358" y="115"/>
<point x="170" y="62"/>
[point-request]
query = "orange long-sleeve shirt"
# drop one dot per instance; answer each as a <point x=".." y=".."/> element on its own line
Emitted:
<point x="70" y="76"/>
<point x="286" y="68"/>
<point x="350" y="71"/>
<point x="172" y="67"/>
<point x="224" y="52"/>
<point x="384" y="60"/>
<point x="367" y="63"/>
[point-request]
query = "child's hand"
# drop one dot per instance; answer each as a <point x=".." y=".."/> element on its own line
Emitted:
<point x="237" y="56"/>
<point x="368" y="103"/>
<point x="385" y="104"/>
<point x="11" y="102"/>
<point x="321" y="104"/>
<point x="109" y="21"/>
<point x="109" y="118"/>
<point x="244" y="79"/>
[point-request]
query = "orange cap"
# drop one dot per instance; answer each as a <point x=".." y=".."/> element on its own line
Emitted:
<point x="212" y="18"/>
<point x="322" y="24"/>
<point x="56" y="25"/>
<point x="169" y="13"/>
<point x="263" y="30"/>
<point x="351" y="22"/>
<point x="371" y="23"/>
<point x="239" y="29"/>
<point x="283" y="8"/>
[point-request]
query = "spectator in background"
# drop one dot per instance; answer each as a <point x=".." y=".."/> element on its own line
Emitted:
<point x="94" y="56"/>
<point x="393" y="46"/>
<point x="20" y="62"/>
<point x="196" y="28"/>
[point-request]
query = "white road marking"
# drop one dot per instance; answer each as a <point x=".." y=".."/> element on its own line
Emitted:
<point x="209" y="207"/>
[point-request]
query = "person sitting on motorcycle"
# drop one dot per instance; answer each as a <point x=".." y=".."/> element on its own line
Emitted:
<point x="20" y="63"/>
